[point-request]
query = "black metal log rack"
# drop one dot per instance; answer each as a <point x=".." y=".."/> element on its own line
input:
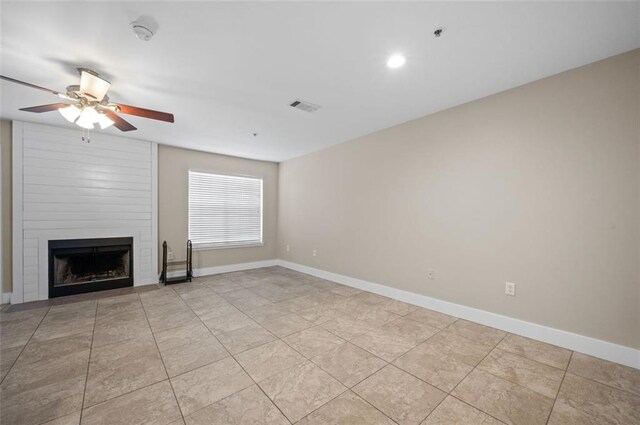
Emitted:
<point x="166" y="265"/>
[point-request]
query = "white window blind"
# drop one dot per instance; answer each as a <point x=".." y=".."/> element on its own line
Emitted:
<point x="224" y="211"/>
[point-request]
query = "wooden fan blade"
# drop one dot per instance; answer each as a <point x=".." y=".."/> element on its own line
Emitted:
<point x="33" y="86"/>
<point x="118" y="122"/>
<point x="45" y="108"/>
<point x="146" y="113"/>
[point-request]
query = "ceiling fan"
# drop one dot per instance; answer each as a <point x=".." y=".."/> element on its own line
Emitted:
<point x="87" y="104"/>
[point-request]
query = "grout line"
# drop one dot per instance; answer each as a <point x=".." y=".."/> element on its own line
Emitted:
<point x="559" y="388"/>
<point x="161" y="359"/>
<point x="474" y="368"/>
<point x="231" y="356"/>
<point x="25" y="345"/>
<point x="86" y="379"/>
<point x="474" y="407"/>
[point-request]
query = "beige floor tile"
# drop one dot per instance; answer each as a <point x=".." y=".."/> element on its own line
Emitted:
<point x="182" y="335"/>
<point x="214" y="311"/>
<point x="172" y="320"/>
<point x="374" y="315"/>
<point x="283" y="326"/>
<point x="45" y="390"/>
<point x="535" y="350"/>
<point x="268" y="359"/>
<point x="7" y="359"/>
<point x="349" y="364"/>
<point x="432" y="318"/>
<point x="266" y="312"/>
<point x="250" y="302"/>
<point x="536" y="376"/>
<point x="612" y="374"/>
<point x="347" y="328"/>
<point x="108" y="307"/>
<point x="17" y="330"/>
<point x="509" y="402"/>
<point x="245" y="338"/>
<point x="300" y="304"/>
<point x="201" y="387"/>
<point x="60" y="328"/>
<point x="370" y="298"/>
<point x="453" y="411"/>
<point x="121" y="327"/>
<point x="45" y="380"/>
<point x="155" y="405"/>
<point x="563" y="414"/>
<point x="37" y="351"/>
<point x="387" y="344"/>
<point x="206" y="304"/>
<point x="197" y="353"/>
<point x="346" y="409"/>
<point x="318" y="315"/>
<point x="477" y="332"/>
<point x="443" y="360"/>
<point x="122" y="367"/>
<point x="72" y="419"/>
<point x="300" y="390"/>
<point x="314" y="341"/>
<point x="34" y="314"/>
<point x="606" y="404"/>
<point x="398" y="307"/>
<point x="404" y="398"/>
<point x="345" y="291"/>
<point x="247" y="407"/>
<point x="228" y="323"/>
<point x="411" y="329"/>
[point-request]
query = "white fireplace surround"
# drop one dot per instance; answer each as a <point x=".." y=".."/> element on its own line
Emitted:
<point x="64" y="188"/>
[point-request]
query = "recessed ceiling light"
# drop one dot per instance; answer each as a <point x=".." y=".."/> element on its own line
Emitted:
<point x="396" y="61"/>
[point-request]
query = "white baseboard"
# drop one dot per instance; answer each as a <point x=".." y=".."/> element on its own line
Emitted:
<point x="583" y="344"/>
<point x="206" y="271"/>
<point x="5" y="298"/>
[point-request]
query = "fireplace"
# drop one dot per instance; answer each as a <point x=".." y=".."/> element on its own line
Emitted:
<point x="87" y="265"/>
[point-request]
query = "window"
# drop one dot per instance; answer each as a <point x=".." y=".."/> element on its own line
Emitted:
<point x="224" y="211"/>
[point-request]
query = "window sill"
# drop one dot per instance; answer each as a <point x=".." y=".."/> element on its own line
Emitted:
<point x="205" y="247"/>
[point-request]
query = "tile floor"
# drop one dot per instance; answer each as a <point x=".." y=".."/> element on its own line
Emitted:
<point x="273" y="346"/>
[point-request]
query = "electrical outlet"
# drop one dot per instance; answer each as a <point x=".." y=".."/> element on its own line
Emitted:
<point x="170" y="255"/>
<point x="314" y="252"/>
<point x="431" y="275"/>
<point x="288" y="248"/>
<point x="510" y="289"/>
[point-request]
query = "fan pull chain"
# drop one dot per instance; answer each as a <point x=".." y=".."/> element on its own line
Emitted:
<point x="86" y="138"/>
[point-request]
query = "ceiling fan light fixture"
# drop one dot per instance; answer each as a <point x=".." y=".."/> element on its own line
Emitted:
<point x="88" y="118"/>
<point x="70" y="113"/>
<point x="104" y="121"/>
<point x="92" y="85"/>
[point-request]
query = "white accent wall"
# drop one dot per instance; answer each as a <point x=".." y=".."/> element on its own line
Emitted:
<point x="66" y="188"/>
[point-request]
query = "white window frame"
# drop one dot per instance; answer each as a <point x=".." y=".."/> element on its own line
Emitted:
<point x="225" y="245"/>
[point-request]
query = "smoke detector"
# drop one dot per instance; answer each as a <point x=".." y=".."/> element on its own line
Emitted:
<point x="305" y="106"/>
<point x="144" y="28"/>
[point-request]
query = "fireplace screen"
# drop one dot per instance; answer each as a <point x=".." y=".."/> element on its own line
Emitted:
<point x="74" y="269"/>
<point x="86" y="265"/>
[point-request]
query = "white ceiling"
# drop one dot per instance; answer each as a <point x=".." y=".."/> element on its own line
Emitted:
<point x="227" y="70"/>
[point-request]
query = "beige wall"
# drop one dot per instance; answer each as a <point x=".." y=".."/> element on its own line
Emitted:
<point x="538" y="185"/>
<point x="173" y="166"/>
<point x="5" y="189"/>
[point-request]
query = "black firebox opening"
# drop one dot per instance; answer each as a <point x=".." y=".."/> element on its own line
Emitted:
<point x="87" y="265"/>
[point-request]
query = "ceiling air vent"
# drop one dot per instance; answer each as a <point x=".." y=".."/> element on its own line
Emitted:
<point x="305" y="106"/>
